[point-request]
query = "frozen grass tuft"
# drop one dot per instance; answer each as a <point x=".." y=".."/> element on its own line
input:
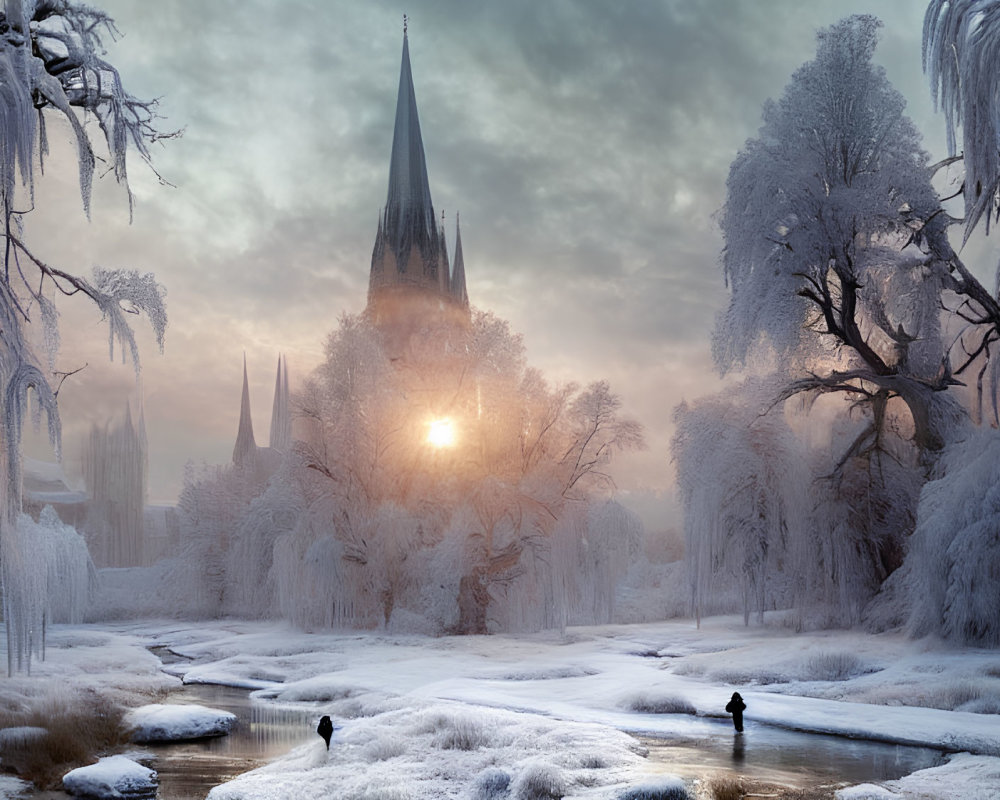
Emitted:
<point x="384" y="747"/>
<point x="666" y="788"/>
<point x="380" y="793"/>
<point x="540" y="781"/>
<point x="742" y="677"/>
<point x="646" y="703"/>
<point x="970" y="696"/>
<point x="550" y="674"/>
<point x="78" y="727"/>
<point x="976" y="696"/>
<point x="491" y="784"/>
<point x="982" y="705"/>
<point x="834" y="666"/>
<point x="462" y="732"/>
<point x="725" y="788"/>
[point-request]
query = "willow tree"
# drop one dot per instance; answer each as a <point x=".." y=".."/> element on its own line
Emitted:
<point x="961" y="52"/>
<point x="832" y="232"/>
<point x="51" y="62"/>
<point x="836" y="259"/>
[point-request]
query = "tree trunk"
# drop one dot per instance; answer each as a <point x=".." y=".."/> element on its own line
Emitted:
<point x="473" y="600"/>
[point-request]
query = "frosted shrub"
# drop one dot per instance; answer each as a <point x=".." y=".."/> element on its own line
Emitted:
<point x="972" y="696"/>
<point x="384" y="747"/>
<point x="659" y="704"/>
<point x="462" y="732"/>
<point x="726" y="788"/>
<point x="539" y="781"/>
<point x="666" y="788"/>
<point x="760" y="677"/>
<point x="491" y="784"/>
<point x="834" y="666"/>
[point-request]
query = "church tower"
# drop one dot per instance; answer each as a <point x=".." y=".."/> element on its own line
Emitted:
<point x="410" y="266"/>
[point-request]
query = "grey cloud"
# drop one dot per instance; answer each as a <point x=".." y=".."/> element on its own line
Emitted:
<point x="585" y="143"/>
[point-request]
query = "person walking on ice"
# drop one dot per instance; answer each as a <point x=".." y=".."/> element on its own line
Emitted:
<point x="325" y="729"/>
<point x="736" y="707"/>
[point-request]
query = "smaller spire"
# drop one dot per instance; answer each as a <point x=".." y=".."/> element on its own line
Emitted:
<point x="405" y="21"/>
<point x="281" y="417"/>
<point x="246" y="447"/>
<point x="457" y="287"/>
<point x="444" y="270"/>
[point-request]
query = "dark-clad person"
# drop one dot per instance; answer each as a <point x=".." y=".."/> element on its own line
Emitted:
<point x="325" y="729"/>
<point x="736" y="707"/>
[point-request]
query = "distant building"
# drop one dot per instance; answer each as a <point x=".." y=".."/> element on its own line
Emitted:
<point x="115" y="470"/>
<point x="45" y="484"/>
<point x="411" y="278"/>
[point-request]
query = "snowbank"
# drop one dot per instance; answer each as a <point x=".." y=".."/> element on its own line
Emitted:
<point x="448" y="750"/>
<point x="168" y="723"/>
<point x="964" y="777"/>
<point x="113" y="777"/>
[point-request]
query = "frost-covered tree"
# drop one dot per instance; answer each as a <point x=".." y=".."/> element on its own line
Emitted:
<point x="51" y="60"/>
<point x="829" y="225"/>
<point x="525" y="456"/>
<point x="743" y="483"/>
<point x="837" y="260"/>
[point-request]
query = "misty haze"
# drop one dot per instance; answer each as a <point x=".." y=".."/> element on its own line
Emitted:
<point x="654" y="458"/>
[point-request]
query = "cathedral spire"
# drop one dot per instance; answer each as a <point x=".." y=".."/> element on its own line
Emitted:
<point x="246" y="447"/>
<point x="458" y="290"/>
<point x="409" y="213"/>
<point x="281" y="416"/>
<point x="407" y="246"/>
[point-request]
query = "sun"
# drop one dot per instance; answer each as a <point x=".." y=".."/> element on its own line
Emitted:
<point x="441" y="433"/>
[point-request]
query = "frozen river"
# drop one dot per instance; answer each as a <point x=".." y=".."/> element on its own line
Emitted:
<point x="763" y="752"/>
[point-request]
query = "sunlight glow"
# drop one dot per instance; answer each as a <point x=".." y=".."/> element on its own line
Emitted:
<point x="441" y="433"/>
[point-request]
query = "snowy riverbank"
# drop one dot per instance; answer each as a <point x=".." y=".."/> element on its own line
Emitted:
<point x="438" y="717"/>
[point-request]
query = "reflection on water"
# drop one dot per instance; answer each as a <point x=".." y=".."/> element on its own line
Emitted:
<point x="262" y="732"/>
<point x="792" y="758"/>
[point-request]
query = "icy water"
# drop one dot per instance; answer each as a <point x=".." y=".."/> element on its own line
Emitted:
<point x="188" y="770"/>
<point x="791" y="758"/>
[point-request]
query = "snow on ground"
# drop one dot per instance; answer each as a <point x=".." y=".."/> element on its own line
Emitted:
<point x="112" y="777"/>
<point x="452" y="714"/>
<point x="169" y="723"/>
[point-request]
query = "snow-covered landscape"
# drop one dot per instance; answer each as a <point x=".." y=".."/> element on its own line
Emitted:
<point x="572" y="710"/>
<point x="651" y="530"/>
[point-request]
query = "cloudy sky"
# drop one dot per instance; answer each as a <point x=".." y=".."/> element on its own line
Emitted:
<point x="586" y="145"/>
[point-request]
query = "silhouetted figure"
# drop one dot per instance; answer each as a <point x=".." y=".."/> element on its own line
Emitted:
<point x="736" y="707"/>
<point x="325" y="729"/>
